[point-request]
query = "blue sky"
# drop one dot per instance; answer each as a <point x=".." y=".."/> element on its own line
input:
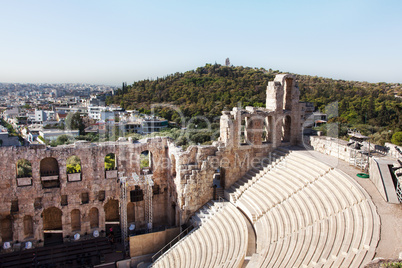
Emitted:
<point x="109" y="42"/>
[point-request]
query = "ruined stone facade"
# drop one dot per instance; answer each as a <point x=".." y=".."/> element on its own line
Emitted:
<point x="53" y="201"/>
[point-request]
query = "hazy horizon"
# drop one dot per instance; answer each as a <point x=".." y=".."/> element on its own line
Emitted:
<point x="107" y="43"/>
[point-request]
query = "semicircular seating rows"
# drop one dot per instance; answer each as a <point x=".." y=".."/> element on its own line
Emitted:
<point x="307" y="214"/>
<point x="304" y="213"/>
<point x="219" y="241"/>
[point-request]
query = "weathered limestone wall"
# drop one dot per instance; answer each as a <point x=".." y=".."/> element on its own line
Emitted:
<point x="185" y="178"/>
<point x="151" y="243"/>
<point x="93" y="181"/>
<point x="330" y="146"/>
<point x="393" y="151"/>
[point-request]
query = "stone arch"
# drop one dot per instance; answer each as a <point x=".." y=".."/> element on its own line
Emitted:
<point x="52" y="219"/>
<point x="130" y="212"/>
<point x="173" y="165"/>
<point x="110" y="161"/>
<point x="7" y="228"/>
<point x="286" y="128"/>
<point x="111" y="210"/>
<point x="243" y="131"/>
<point x="24" y="168"/>
<point x="73" y="164"/>
<point x="146" y="162"/>
<point x="49" y="167"/>
<point x="28" y="226"/>
<point x="94" y="218"/>
<point x="75" y="220"/>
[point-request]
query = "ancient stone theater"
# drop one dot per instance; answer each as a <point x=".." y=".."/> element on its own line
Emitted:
<point x="253" y="198"/>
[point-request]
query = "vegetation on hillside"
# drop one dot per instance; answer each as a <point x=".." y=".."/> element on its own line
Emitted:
<point x="371" y="108"/>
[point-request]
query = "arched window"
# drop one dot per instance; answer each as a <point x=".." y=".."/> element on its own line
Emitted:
<point x="52" y="219"/>
<point x="94" y="218"/>
<point x="49" y="167"/>
<point x="73" y="164"/>
<point x="111" y="210"/>
<point x="267" y="135"/>
<point x="146" y="162"/>
<point x="75" y="220"/>
<point x="243" y="132"/>
<point x="110" y="161"/>
<point x="24" y="168"/>
<point x="6" y="229"/>
<point x="49" y="172"/>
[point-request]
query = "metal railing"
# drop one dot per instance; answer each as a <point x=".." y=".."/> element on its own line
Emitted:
<point x="398" y="191"/>
<point x="173" y="242"/>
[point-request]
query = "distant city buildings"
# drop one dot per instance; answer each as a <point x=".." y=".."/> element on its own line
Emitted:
<point x="39" y="112"/>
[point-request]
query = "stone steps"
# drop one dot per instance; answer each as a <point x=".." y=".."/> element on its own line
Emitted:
<point x="312" y="215"/>
<point x="221" y="241"/>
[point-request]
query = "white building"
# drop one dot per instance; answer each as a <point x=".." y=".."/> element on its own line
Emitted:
<point x="95" y="112"/>
<point x="53" y="134"/>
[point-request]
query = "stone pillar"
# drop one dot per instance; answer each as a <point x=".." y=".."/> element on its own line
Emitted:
<point x="274" y="100"/>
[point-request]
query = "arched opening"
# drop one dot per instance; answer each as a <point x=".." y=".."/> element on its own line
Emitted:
<point x="286" y="128"/>
<point x="110" y="161"/>
<point x="111" y="210"/>
<point x="173" y="165"/>
<point x="6" y="229"/>
<point x="24" y="168"/>
<point x="28" y="226"/>
<point x="146" y="162"/>
<point x="75" y="220"/>
<point x="94" y="218"/>
<point x="52" y="219"/>
<point x="49" y="167"/>
<point x="130" y="212"/>
<point x="270" y="129"/>
<point x="264" y="136"/>
<point x="49" y="172"/>
<point x="110" y="166"/>
<point x="73" y="167"/>
<point x="243" y="133"/>
<point x="52" y="226"/>
<point x="287" y="105"/>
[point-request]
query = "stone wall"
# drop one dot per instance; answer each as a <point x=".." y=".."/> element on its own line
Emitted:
<point x="33" y="199"/>
<point x="330" y="146"/>
<point x="151" y="243"/>
<point x="394" y="150"/>
<point x="185" y="178"/>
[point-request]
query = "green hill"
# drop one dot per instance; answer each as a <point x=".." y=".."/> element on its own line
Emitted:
<point x="208" y="90"/>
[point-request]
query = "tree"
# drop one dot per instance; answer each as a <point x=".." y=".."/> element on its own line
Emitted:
<point x="74" y="122"/>
<point x="397" y="138"/>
